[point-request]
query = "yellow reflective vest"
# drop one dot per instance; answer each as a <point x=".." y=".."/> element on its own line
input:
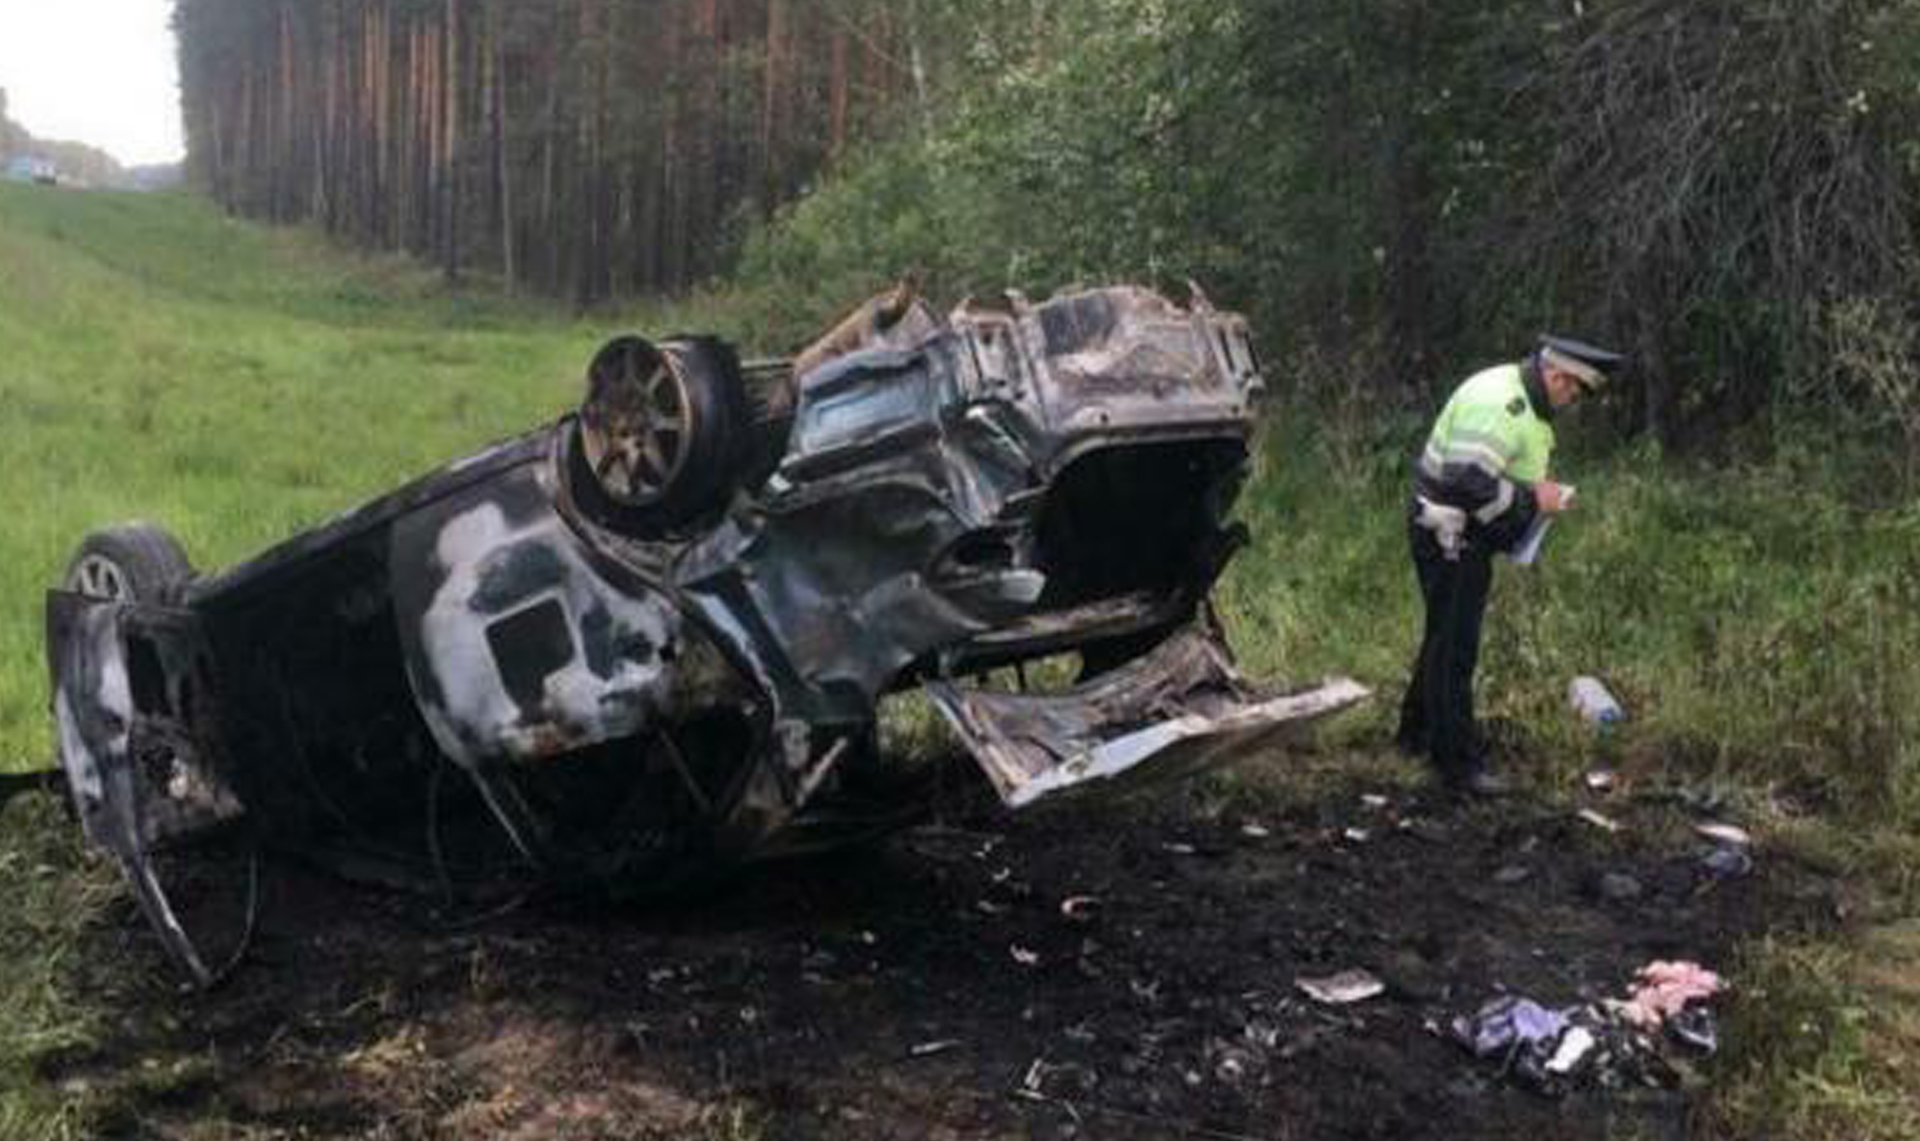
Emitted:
<point x="1490" y="445"/>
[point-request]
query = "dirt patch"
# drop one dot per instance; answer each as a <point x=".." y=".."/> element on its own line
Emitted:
<point x="1114" y="971"/>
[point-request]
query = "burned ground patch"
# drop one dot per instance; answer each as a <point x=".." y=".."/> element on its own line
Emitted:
<point x="1083" y="972"/>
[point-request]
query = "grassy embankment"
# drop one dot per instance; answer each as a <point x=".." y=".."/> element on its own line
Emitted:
<point x="1762" y="624"/>
<point x="160" y="362"/>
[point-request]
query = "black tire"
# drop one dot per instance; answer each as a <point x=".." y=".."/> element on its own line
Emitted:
<point x="709" y="416"/>
<point x="131" y="562"/>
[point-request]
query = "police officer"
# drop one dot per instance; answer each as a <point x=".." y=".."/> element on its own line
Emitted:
<point x="1479" y="486"/>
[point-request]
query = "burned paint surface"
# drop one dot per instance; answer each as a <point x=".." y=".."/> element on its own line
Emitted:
<point x="523" y="649"/>
<point x="633" y="683"/>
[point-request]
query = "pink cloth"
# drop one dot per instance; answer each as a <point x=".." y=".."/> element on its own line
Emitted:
<point x="1665" y="989"/>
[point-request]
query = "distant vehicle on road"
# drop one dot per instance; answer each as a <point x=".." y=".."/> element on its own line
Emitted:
<point x="31" y="168"/>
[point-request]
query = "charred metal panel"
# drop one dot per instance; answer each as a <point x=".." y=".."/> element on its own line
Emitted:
<point x="1183" y="706"/>
<point x="133" y="700"/>
<point x="1110" y="363"/>
<point x="132" y="688"/>
<point x="835" y="575"/>
<point x="519" y="644"/>
<point x="867" y="404"/>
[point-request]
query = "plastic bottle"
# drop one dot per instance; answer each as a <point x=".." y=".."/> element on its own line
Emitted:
<point x="1592" y="701"/>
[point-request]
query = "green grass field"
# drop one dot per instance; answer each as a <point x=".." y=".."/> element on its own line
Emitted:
<point x="1762" y="623"/>
<point x="159" y="361"/>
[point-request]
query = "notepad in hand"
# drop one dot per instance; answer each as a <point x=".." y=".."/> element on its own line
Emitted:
<point x="1527" y="549"/>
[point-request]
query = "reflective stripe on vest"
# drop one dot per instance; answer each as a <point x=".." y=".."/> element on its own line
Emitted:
<point x="1490" y="424"/>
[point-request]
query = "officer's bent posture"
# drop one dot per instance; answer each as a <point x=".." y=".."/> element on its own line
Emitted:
<point x="1479" y="486"/>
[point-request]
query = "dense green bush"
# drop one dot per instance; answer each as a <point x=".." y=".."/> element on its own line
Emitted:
<point x="1409" y="188"/>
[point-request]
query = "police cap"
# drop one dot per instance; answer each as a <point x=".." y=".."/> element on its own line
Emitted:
<point x="1591" y="365"/>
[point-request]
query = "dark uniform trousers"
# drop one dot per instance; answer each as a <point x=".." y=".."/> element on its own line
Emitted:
<point x="1436" y="717"/>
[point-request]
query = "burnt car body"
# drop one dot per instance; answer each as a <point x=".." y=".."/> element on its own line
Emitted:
<point x="652" y="637"/>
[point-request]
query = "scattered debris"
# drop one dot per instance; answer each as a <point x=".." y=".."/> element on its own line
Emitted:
<point x="1695" y="1027"/>
<point x="1356" y="835"/>
<point x="1342" y="989"/>
<point x="1076" y="1080"/>
<point x="1619" y="887"/>
<point x="1596" y="705"/>
<point x="1574" y="1047"/>
<point x="1262" y="1034"/>
<point x="1604" y="823"/>
<point x="1613" y="1043"/>
<point x="1512" y="874"/>
<point x="1602" y="780"/>
<point x="1023" y="956"/>
<point x="1231" y="1063"/>
<point x="1375" y="801"/>
<point x="1508" y="1025"/>
<point x="1078" y="906"/>
<point x="1214" y="944"/>
<point x="1727" y="862"/>
<point x="1725" y="834"/>
<point x="1665" y="988"/>
<point x="1730" y="856"/>
<point x="929" y="1049"/>
<point x="1177" y="848"/>
<point x="1036" y="1073"/>
<point x="1255" y="831"/>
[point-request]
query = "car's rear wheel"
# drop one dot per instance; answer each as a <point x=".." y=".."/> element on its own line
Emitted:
<point x="132" y="562"/>
<point x="661" y="431"/>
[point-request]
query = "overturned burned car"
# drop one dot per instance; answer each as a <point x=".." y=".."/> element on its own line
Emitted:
<point x="651" y="638"/>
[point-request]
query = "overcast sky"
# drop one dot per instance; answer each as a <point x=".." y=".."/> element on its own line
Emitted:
<point x="99" y="72"/>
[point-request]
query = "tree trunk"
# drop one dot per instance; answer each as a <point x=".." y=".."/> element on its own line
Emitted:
<point x="770" y="103"/>
<point x="838" y="93"/>
<point x="450" y="217"/>
<point x="502" y="169"/>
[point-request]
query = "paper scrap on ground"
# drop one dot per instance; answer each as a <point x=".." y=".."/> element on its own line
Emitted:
<point x="1604" y="823"/>
<point x="1575" y="1045"/>
<point x="1725" y="834"/>
<point x="1342" y="989"/>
